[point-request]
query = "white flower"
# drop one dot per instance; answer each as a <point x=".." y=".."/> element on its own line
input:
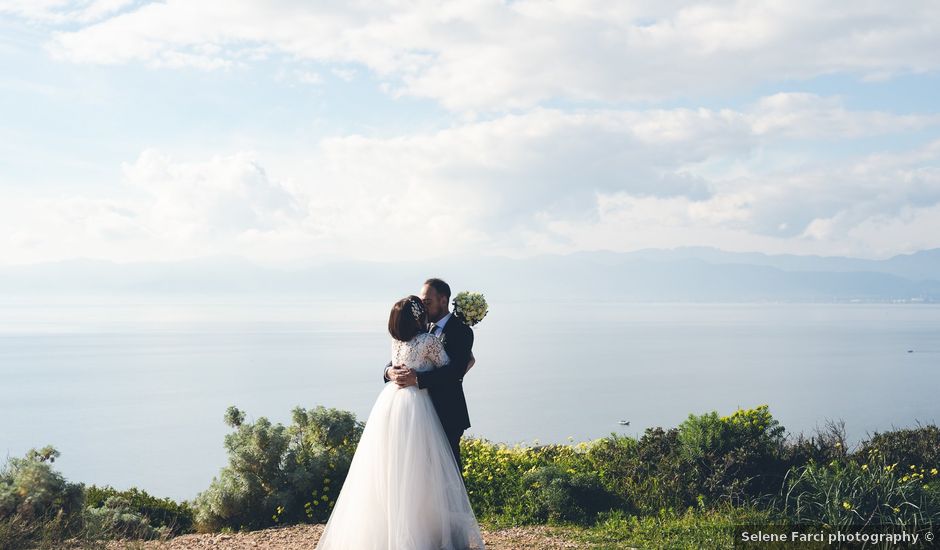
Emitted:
<point x="471" y="307"/>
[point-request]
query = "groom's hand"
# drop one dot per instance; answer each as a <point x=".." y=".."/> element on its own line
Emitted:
<point x="403" y="377"/>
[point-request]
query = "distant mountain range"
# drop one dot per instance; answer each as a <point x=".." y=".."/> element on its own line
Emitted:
<point x="693" y="274"/>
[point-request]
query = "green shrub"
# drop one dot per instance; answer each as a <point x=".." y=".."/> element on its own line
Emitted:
<point x="30" y="487"/>
<point x="164" y="515"/>
<point x="37" y="504"/>
<point x="279" y="474"/>
<point x="919" y="446"/>
<point x="737" y="457"/>
<point x="116" y="518"/>
<point x="553" y="494"/>
<point x="245" y="493"/>
<point x="825" y="445"/>
<point x="678" y="488"/>
<point x="613" y="458"/>
<point x="518" y="485"/>
<point x="493" y="475"/>
<point x="661" y="478"/>
<point x="703" y="437"/>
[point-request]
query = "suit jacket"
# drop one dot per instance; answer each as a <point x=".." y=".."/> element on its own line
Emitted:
<point x="445" y="383"/>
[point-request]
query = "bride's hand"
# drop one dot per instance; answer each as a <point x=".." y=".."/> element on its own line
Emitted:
<point x="402" y="376"/>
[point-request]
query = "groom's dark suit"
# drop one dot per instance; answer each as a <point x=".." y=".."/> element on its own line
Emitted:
<point x="445" y="384"/>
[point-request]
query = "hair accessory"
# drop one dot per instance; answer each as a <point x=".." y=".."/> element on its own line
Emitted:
<point x="416" y="308"/>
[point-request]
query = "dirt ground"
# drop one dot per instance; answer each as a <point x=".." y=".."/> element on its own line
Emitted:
<point x="305" y="537"/>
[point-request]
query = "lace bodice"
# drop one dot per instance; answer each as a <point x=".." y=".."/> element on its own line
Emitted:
<point x="422" y="353"/>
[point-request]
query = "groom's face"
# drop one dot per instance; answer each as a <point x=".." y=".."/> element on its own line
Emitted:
<point x="435" y="302"/>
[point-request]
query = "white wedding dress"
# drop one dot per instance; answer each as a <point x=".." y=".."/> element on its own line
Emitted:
<point x="403" y="490"/>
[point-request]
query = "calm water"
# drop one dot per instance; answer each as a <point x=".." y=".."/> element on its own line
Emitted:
<point x="133" y="394"/>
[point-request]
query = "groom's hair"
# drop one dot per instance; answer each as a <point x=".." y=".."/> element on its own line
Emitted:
<point x="402" y="324"/>
<point x="440" y="286"/>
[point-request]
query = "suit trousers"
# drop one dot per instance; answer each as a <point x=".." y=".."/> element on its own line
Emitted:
<point x="454" y="439"/>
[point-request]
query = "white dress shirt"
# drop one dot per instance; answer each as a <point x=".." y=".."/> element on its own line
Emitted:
<point x="439" y="326"/>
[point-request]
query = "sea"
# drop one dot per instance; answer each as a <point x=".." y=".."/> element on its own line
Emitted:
<point x="132" y="393"/>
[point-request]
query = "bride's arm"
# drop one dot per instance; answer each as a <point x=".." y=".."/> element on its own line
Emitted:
<point x="461" y="351"/>
<point x="434" y="352"/>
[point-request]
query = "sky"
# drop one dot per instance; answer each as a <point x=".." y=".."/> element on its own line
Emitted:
<point x="286" y="131"/>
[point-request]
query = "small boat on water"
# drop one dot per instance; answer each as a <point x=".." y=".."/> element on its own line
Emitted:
<point x="624" y="422"/>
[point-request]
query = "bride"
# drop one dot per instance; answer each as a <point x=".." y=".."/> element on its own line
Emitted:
<point x="404" y="490"/>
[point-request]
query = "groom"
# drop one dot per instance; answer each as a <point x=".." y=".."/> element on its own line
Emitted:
<point x="444" y="384"/>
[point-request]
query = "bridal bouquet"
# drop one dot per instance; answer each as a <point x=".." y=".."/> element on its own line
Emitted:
<point x="471" y="307"/>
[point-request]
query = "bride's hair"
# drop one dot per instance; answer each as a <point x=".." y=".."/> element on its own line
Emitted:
<point x="408" y="318"/>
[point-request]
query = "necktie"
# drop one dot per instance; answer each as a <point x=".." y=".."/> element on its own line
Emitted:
<point x="432" y="328"/>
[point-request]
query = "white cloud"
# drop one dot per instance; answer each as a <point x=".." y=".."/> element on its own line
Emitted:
<point x="868" y="207"/>
<point x="804" y="115"/>
<point x="542" y="181"/>
<point x="222" y="196"/>
<point x="511" y="174"/>
<point x="63" y="11"/>
<point x="168" y="210"/>
<point x="911" y="229"/>
<point x="347" y="75"/>
<point x="40" y="10"/>
<point x="493" y="55"/>
<point x="308" y="77"/>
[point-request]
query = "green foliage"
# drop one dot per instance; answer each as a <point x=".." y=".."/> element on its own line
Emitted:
<point x="493" y="475"/>
<point x="685" y="487"/>
<point x="613" y="458"/>
<point x="516" y="485"/>
<point x="117" y="518"/>
<point x="246" y="491"/>
<point x="163" y="515"/>
<point x="234" y="417"/>
<point x="30" y="487"/>
<point x="704" y="436"/>
<point x="734" y="457"/>
<point x="826" y="445"/>
<point x="36" y="503"/>
<point x="279" y="474"/>
<point x="755" y="426"/>
<point x="554" y="494"/>
<point x="906" y="447"/>
<point x="39" y="508"/>
<point x="869" y="492"/>
<point x="693" y="529"/>
<point x="708" y="458"/>
<point x="709" y="462"/>
<point x="661" y="477"/>
<point x="39" y="533"/>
